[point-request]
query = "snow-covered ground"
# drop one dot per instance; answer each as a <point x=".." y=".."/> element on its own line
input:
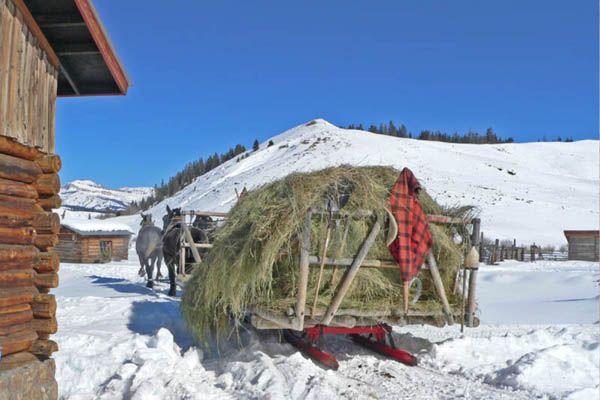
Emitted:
<point x="89" y="196"/>
<point x="530" y="192"/>
<point x="539" y="338"/>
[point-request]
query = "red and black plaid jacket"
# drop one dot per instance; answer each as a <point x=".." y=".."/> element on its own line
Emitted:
<point x="414" y="238"/>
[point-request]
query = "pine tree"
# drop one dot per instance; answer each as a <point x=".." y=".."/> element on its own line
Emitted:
<point x="255" y="145"/>
<point x="402" y="132"/>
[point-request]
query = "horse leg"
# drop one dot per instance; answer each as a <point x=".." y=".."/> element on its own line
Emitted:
<point x="149" y="270"/>
<point x="172" y="285"/>
<point x="158" y="261"/>
<point x="141" y="272"/>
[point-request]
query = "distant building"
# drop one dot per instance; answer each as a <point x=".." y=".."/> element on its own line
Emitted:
<point x="583" y="245"/>
<point x="93" y="242"/>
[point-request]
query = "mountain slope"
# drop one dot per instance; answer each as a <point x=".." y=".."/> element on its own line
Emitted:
<point x="527" y="191"/>
<point x="86" y="195"/>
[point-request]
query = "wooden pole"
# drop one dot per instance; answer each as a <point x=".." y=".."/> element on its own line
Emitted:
<point x="405" y="297"/>
<point x="352" y="271"/>
<point x="439" y="287"/>
<point x="323" y="257"/>
<point x="303" y="271"/>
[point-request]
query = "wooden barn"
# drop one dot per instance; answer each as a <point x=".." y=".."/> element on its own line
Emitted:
<point x="48" y="48"/>
<point x="583" y="245"/>
<point x="96" y="242"/>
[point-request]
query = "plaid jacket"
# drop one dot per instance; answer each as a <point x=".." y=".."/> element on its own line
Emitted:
<point x="414" y="238"/>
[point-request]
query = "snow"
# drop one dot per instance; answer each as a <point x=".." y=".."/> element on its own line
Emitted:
<point x="528" y="191"/>
<point x="119" y="339"/>
<point x="95" y="225"/>
<point x="87" y="195"/>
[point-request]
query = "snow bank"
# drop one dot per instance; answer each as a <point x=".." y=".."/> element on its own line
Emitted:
<point x="552" y="360"/>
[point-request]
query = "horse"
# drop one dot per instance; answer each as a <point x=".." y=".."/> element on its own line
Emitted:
<point x="148" y="247"/>
<point x="171" y="243"/>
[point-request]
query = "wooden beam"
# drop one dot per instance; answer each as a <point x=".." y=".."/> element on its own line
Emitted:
<point x="101" y="39"/>
<point x="346" y="262"/>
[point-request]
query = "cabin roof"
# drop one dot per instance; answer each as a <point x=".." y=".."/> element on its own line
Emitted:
<point x="76" y="42"/>
<point x="583" y="233"/>
<point x="97" y="228"/>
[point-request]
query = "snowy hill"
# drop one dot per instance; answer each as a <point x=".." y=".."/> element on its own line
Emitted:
<point x="86" y="195"/>
<point x="528" y="191"/>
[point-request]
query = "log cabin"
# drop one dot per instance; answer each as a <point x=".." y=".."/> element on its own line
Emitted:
<point x="583" y="245"/>
<point x="96" y="242"/>
<point x="48" y="48"/>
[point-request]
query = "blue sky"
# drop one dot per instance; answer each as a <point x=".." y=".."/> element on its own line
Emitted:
<point x="209" y="74"/>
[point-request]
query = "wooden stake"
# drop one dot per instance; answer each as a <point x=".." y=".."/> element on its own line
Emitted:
<point x="439" y="287"/>
<point x="406" y="287"/>
<point x="303" y="271"/>
<point x="323" y="257"/>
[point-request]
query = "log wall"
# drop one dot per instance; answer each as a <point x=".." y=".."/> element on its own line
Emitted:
<point x="28" y="262"/>
<point x="28" y="83"/>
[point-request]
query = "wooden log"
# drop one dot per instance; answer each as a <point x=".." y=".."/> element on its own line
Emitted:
<point x="11" y="329"/>
<point x="439" y="287"/>
<point x="47" y="184"/>
<point x="17" y="342"/>
<point x="49" y="163"/>
<point x="16" y="149"/>
<point x="44" y="306"/>
<point x="43" y="347"/>
<point x="48" y="262"/>
<point x="303" y="272"/>
<point x="18" y="169"/>
<point x="44" y="241"/>
<point x="46" y="222"/>
<point x="16" y="253"/>
<point x="47" y="280"/>
<point x="18" y="207"/>
<point x="352" y="271"/>
<point x="23" y="235"/>
<point x="16" y="278"/>
<point x="45" y="325"/>
<point x="15" y="318"/>
<point x="16" y="360"/>
<point x="17" y="189"/>
<point x="18" y="295"/>
<point x="50" y="202"/>
<point x="15" y="308"/>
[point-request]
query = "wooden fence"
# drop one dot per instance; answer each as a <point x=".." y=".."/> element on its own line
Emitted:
<point x="496" y="252"/>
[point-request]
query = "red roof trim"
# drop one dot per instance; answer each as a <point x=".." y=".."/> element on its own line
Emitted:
<point x="100" y="37"/>
<point x="582" y="233"/>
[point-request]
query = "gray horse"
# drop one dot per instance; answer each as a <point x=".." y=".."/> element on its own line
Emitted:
<point x="149" y="248"/>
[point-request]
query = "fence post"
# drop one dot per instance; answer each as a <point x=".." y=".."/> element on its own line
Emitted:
<point x="480" y="247"/>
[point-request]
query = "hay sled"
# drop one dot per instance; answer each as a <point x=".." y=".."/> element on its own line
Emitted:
<point x="308" y="255"/>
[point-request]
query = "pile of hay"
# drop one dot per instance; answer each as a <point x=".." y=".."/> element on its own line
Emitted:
<point x="254" y="261"/>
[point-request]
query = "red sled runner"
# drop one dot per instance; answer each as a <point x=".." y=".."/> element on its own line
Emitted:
<point x="378" y="339"/>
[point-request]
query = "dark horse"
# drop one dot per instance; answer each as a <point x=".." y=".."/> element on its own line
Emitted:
<point x="171" y="243"/>
<point x="148" y="247"/>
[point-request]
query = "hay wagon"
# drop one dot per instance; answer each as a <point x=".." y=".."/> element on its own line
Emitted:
<point x="305" y="323"/>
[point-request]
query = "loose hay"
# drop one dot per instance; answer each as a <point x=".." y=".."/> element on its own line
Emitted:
<point x="254" y="259"/>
